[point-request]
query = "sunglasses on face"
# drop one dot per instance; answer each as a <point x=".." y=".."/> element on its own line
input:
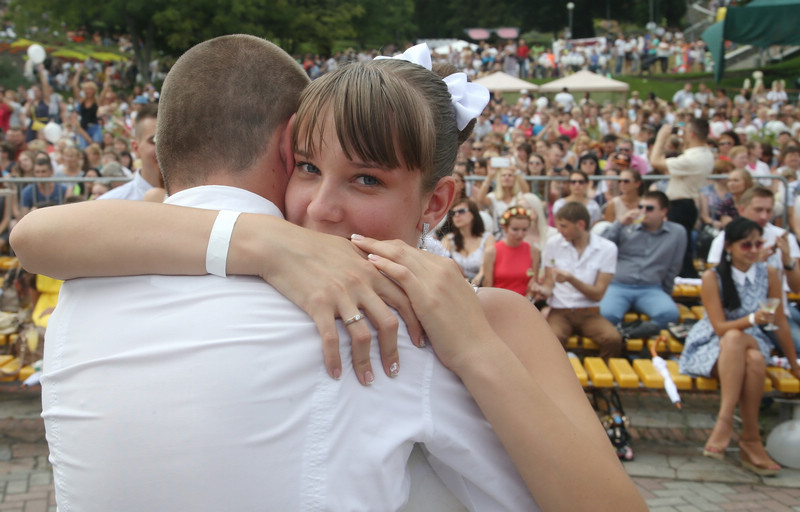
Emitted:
<point x="577" y="182"/>
<point x="724" y="143"/>
<point x="460" y="211"/>
<point x="624" y="150"/>
<point x="647" y="207"/>
<point x="746" y="246"/>
<point x="625" y="181"/>
<point x="477" y="148"/>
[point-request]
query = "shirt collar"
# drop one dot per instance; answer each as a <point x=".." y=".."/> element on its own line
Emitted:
<point x="739" y="276"/>
<point x="220" y="197"/>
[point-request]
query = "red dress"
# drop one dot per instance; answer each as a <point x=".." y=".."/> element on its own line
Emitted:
<point x="511" y="266"/>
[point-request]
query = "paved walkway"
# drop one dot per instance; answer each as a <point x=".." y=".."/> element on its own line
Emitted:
<point x="669" y="469"/>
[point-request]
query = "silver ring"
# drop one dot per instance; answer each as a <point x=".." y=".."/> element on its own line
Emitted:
<point x="354" y="319"/>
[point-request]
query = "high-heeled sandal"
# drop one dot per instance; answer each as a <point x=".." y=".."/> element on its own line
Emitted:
<point x="770" y="468"/>
<point x="718" y="452"/>
<point x="714" y="452"/>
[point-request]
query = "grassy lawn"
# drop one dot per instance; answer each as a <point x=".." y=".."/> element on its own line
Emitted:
<point x="665" y="86"/>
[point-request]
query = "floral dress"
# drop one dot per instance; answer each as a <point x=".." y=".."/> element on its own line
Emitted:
<point x="701" y="350"/>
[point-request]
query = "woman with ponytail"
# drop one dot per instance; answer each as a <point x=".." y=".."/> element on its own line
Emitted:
<point x="729" y="343"/>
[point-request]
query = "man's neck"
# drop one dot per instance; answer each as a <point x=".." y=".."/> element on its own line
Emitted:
<point x="654" y="228"/>
<point x="581" y="241"/>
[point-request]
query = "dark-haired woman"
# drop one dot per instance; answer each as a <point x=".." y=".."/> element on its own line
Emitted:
<point x="469" y="238"/>
<point x="730" y="345"/>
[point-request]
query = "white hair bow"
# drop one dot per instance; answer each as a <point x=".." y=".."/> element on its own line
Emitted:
<point x="468" y="98"/>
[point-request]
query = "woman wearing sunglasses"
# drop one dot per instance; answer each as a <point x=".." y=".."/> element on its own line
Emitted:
<point x="729" y="343"/>
<point x="631" y="190"/>
<point x="578" y="185"/>
<point x="469" y="238"/>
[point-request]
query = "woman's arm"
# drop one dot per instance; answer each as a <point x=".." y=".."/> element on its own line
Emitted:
<point x="711" y="296"/>
<point x="483" y="191"/>
<point x="514" y="379"/>
<point x="95" y="238"/>
<point x="610" y="214"/>
<point x="488" y="265"/>
<point x="533" y="280"/>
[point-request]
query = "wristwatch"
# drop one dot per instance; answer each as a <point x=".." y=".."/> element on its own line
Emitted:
<point x="789" y="268"/>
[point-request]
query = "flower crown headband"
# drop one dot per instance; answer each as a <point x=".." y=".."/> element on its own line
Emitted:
<point x="468" y="98"/>
<point x="515" y="211"/>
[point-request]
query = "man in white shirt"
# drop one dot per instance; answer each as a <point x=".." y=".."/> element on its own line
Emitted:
<point x="564" y="100"/>
<point x="688" y="173"/>
<point x="684" y="97"/>
<point x="578" y="269"/>
<point x="149" y="175"/>
<point x="780" y="249"/>
<point x="204" y="393"/>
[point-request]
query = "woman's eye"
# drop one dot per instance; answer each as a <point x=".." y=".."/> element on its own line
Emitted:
<point x="366" y="179"/>
<point x="307" y="167"/>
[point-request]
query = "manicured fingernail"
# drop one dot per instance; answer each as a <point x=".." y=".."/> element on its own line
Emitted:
<point x="368" y="377"/>
<point x="394" y="369"/>
<point x="336" y="374"/>
<point x="372" y="257"/>
<point x="422" y="341"/>
<point x="356" y="236"/>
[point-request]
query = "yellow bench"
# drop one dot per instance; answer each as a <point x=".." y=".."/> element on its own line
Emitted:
<point x="619" y="373"/>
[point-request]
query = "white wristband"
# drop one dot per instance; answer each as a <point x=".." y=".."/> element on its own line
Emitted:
<point x="752" y="318"/>
<point x="219" y="241"/>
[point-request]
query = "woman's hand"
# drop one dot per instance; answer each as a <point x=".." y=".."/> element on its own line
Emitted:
<point x="342" y="284"/>
<point x="763" y="317"/>
<point x="444" y="302"/>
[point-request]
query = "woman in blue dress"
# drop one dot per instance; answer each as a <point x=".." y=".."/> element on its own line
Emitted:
<point x="730" y="345"/>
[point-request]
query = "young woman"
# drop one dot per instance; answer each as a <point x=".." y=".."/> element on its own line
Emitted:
<point x="631" y="189"/>
<point x="578" y="184"/>
<point x="512" y="263"/>
<point x="509" y="188"/>
<point x="468" y="241"/>
<point x="739" y="180"/>
<point x="728" y="343"/>
<point x="89" y="130"/>
<point x="358" y="173"/>
<point x="714" y="194"/>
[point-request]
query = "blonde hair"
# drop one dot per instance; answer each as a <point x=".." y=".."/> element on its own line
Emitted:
<point x="387" y="112"/>
<point x="221" y="103"/>
<point x="736" y="151"/>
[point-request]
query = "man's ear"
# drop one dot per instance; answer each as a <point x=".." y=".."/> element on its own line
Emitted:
<point x="439" y="201"/>
<point x="285" y="147"/>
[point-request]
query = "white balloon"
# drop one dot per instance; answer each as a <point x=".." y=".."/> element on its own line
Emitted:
<point x="52" y="132"/>
<point x="36" y="53"/>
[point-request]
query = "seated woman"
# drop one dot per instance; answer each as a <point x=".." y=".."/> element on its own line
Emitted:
<point x="406" y="186"/>
<point x="739" y="180"/>
<point x="512" y="263"/>
<point x="466" y="244"/>
<point x="714" y="194"/>
<point x="729" y="345"/>
<point x="631" y="189"/>
<point x="578" y="184"/>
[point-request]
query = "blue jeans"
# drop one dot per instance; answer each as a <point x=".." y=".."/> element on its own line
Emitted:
<point x="649" y="299"/>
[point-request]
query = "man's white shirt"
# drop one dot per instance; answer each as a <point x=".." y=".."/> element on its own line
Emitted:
<point x="208" y="393"/>
<point x="134" y="190"/>
<point x="599" y="256"/>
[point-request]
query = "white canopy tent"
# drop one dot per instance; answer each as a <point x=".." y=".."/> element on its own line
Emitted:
<point x="504" y="82"/>
<point x="585" y="81"/>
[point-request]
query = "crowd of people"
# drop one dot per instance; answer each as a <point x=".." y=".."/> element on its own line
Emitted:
<point x="588" y="210"/>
